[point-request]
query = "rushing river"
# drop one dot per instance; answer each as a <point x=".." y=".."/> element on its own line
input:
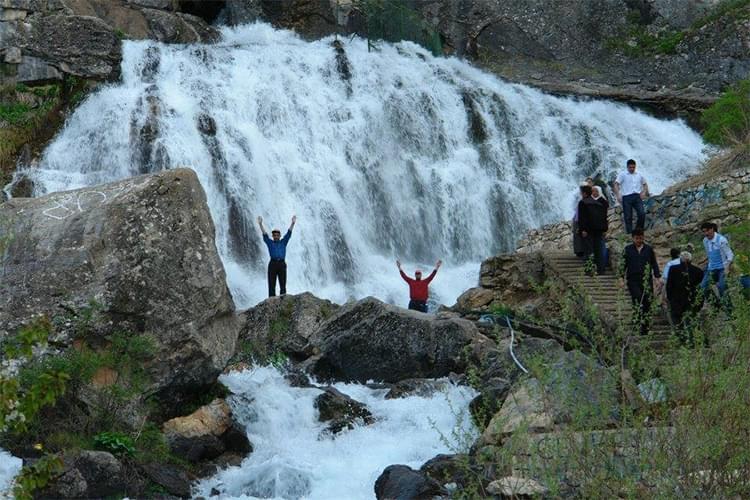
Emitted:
<point x="294" y="458"/>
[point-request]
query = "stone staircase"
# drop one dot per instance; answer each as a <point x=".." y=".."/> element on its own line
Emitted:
<point x="612" y="300"/>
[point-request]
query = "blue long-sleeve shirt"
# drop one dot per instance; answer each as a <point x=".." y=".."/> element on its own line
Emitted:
<point x="277" y="249"/>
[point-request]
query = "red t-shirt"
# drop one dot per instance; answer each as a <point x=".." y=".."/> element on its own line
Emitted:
<point x="418" y="288"/>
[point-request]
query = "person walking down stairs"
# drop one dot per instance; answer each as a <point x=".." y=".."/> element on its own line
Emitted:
<point x="631" y="189"/>
<point x="592" y="225"/>
<point x="685" y="301"/>
<point x="639" y="266"/>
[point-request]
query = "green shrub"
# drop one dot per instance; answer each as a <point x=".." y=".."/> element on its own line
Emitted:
<point x="727" y="121"/>
<point x="693" y="445"/>
<point x="739" y="238"/>
<point x="116" y="443"/>
<point x="36" y="476"/>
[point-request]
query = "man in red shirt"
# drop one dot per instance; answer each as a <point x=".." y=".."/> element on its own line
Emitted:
<point x="418" y="287"/>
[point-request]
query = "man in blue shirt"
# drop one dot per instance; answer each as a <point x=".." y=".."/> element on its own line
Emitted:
<point x="720" y="258"/>
<point x="277" y="252"/>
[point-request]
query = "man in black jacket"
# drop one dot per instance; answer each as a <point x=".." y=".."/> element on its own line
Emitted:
<point x="592" y="224"/>
<point x="683" y="282"/>
<point x="639" y="265"/>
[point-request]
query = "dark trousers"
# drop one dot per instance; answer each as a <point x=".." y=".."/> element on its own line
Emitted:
<point x="593" y="244"/>
<point x="418" y="305"/>
<point x="276" y="268"/>
<point x="641" y="297"/>
<point x="629" y="203"/>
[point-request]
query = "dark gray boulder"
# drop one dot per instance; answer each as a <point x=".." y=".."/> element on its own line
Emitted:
<point x="284" y="324"/>
<point x="170" y="477"/>
<point x="340" y="410"/>
<point x="489" y="401"/>
<point x="88" y="474"/>
<point x="400" y="482"/>
<point x="143" y="248"/>
<point x="371" y="340"/>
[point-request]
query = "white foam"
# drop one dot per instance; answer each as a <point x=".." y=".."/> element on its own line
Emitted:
<point x="291" y="459"/>
<point x="10" y="466"/>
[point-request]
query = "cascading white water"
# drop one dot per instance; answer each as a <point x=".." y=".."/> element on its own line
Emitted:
<point x="294" y="458"/>
<point x="386" y="154"/>
<point x="10" y="466"/>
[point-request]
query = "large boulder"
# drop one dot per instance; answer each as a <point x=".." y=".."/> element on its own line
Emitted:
<point x="143" y="248"/>
<point x="206" y="433"/>
<point x="284" y="324"/>
<point x="371" y="340"/>
<point x="88" y="474"/>
<point x="505" y="280"/>
<point x="571" y="388"/>
<point x="340" y="410"/>
<point x="400" y="482"/>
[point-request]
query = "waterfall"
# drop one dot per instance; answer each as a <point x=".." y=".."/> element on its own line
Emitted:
<point x="293" y="456"/>
<point x="383" y="154"/>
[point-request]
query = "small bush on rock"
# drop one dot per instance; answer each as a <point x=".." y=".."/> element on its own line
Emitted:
<point x="727" y="121"/>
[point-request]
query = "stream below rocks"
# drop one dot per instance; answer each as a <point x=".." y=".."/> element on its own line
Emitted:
<point x="295" y="457"/>
<point x="382" y="154"/>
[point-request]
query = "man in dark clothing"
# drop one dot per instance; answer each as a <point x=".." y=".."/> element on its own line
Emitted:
<point x="592" y="224"/>
<point x="639" y="265"/>
<point x="277" y="252"/>
<point x="685" y="301"/>
<point x="418" y="287"/>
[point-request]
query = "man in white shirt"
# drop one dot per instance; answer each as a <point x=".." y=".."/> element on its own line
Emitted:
<point x="631" y="189"/>
<point x="720" y="258"/>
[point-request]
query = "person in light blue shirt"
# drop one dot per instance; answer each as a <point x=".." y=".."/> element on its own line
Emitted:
<point x="277" y="251"/>
<point x="720" y="259"/>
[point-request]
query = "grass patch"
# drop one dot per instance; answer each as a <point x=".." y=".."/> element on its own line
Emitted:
<point x="727" y="121"/>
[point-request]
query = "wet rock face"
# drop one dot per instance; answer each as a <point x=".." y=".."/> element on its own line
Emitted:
<point x="42" y="40"/>
<point x="81" y="46"/>
<point x="340" y="410"/>
<point x="144" y="249"/>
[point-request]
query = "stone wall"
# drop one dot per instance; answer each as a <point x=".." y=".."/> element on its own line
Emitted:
<point x="672" y="217"/>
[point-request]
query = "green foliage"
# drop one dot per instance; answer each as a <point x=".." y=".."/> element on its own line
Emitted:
<point x="36" y="476"/>
<point x="120" y="34"/>
<point x="28" y="337"/>
<point x="693" y="445"/>
<point x="739" y="239"/>
<point x="116" y="443"/>
<point x="14" y="113"/>
<point x="727" y="121"/>
<point x="394" y="21"/>
<point x="19" y="404"/>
